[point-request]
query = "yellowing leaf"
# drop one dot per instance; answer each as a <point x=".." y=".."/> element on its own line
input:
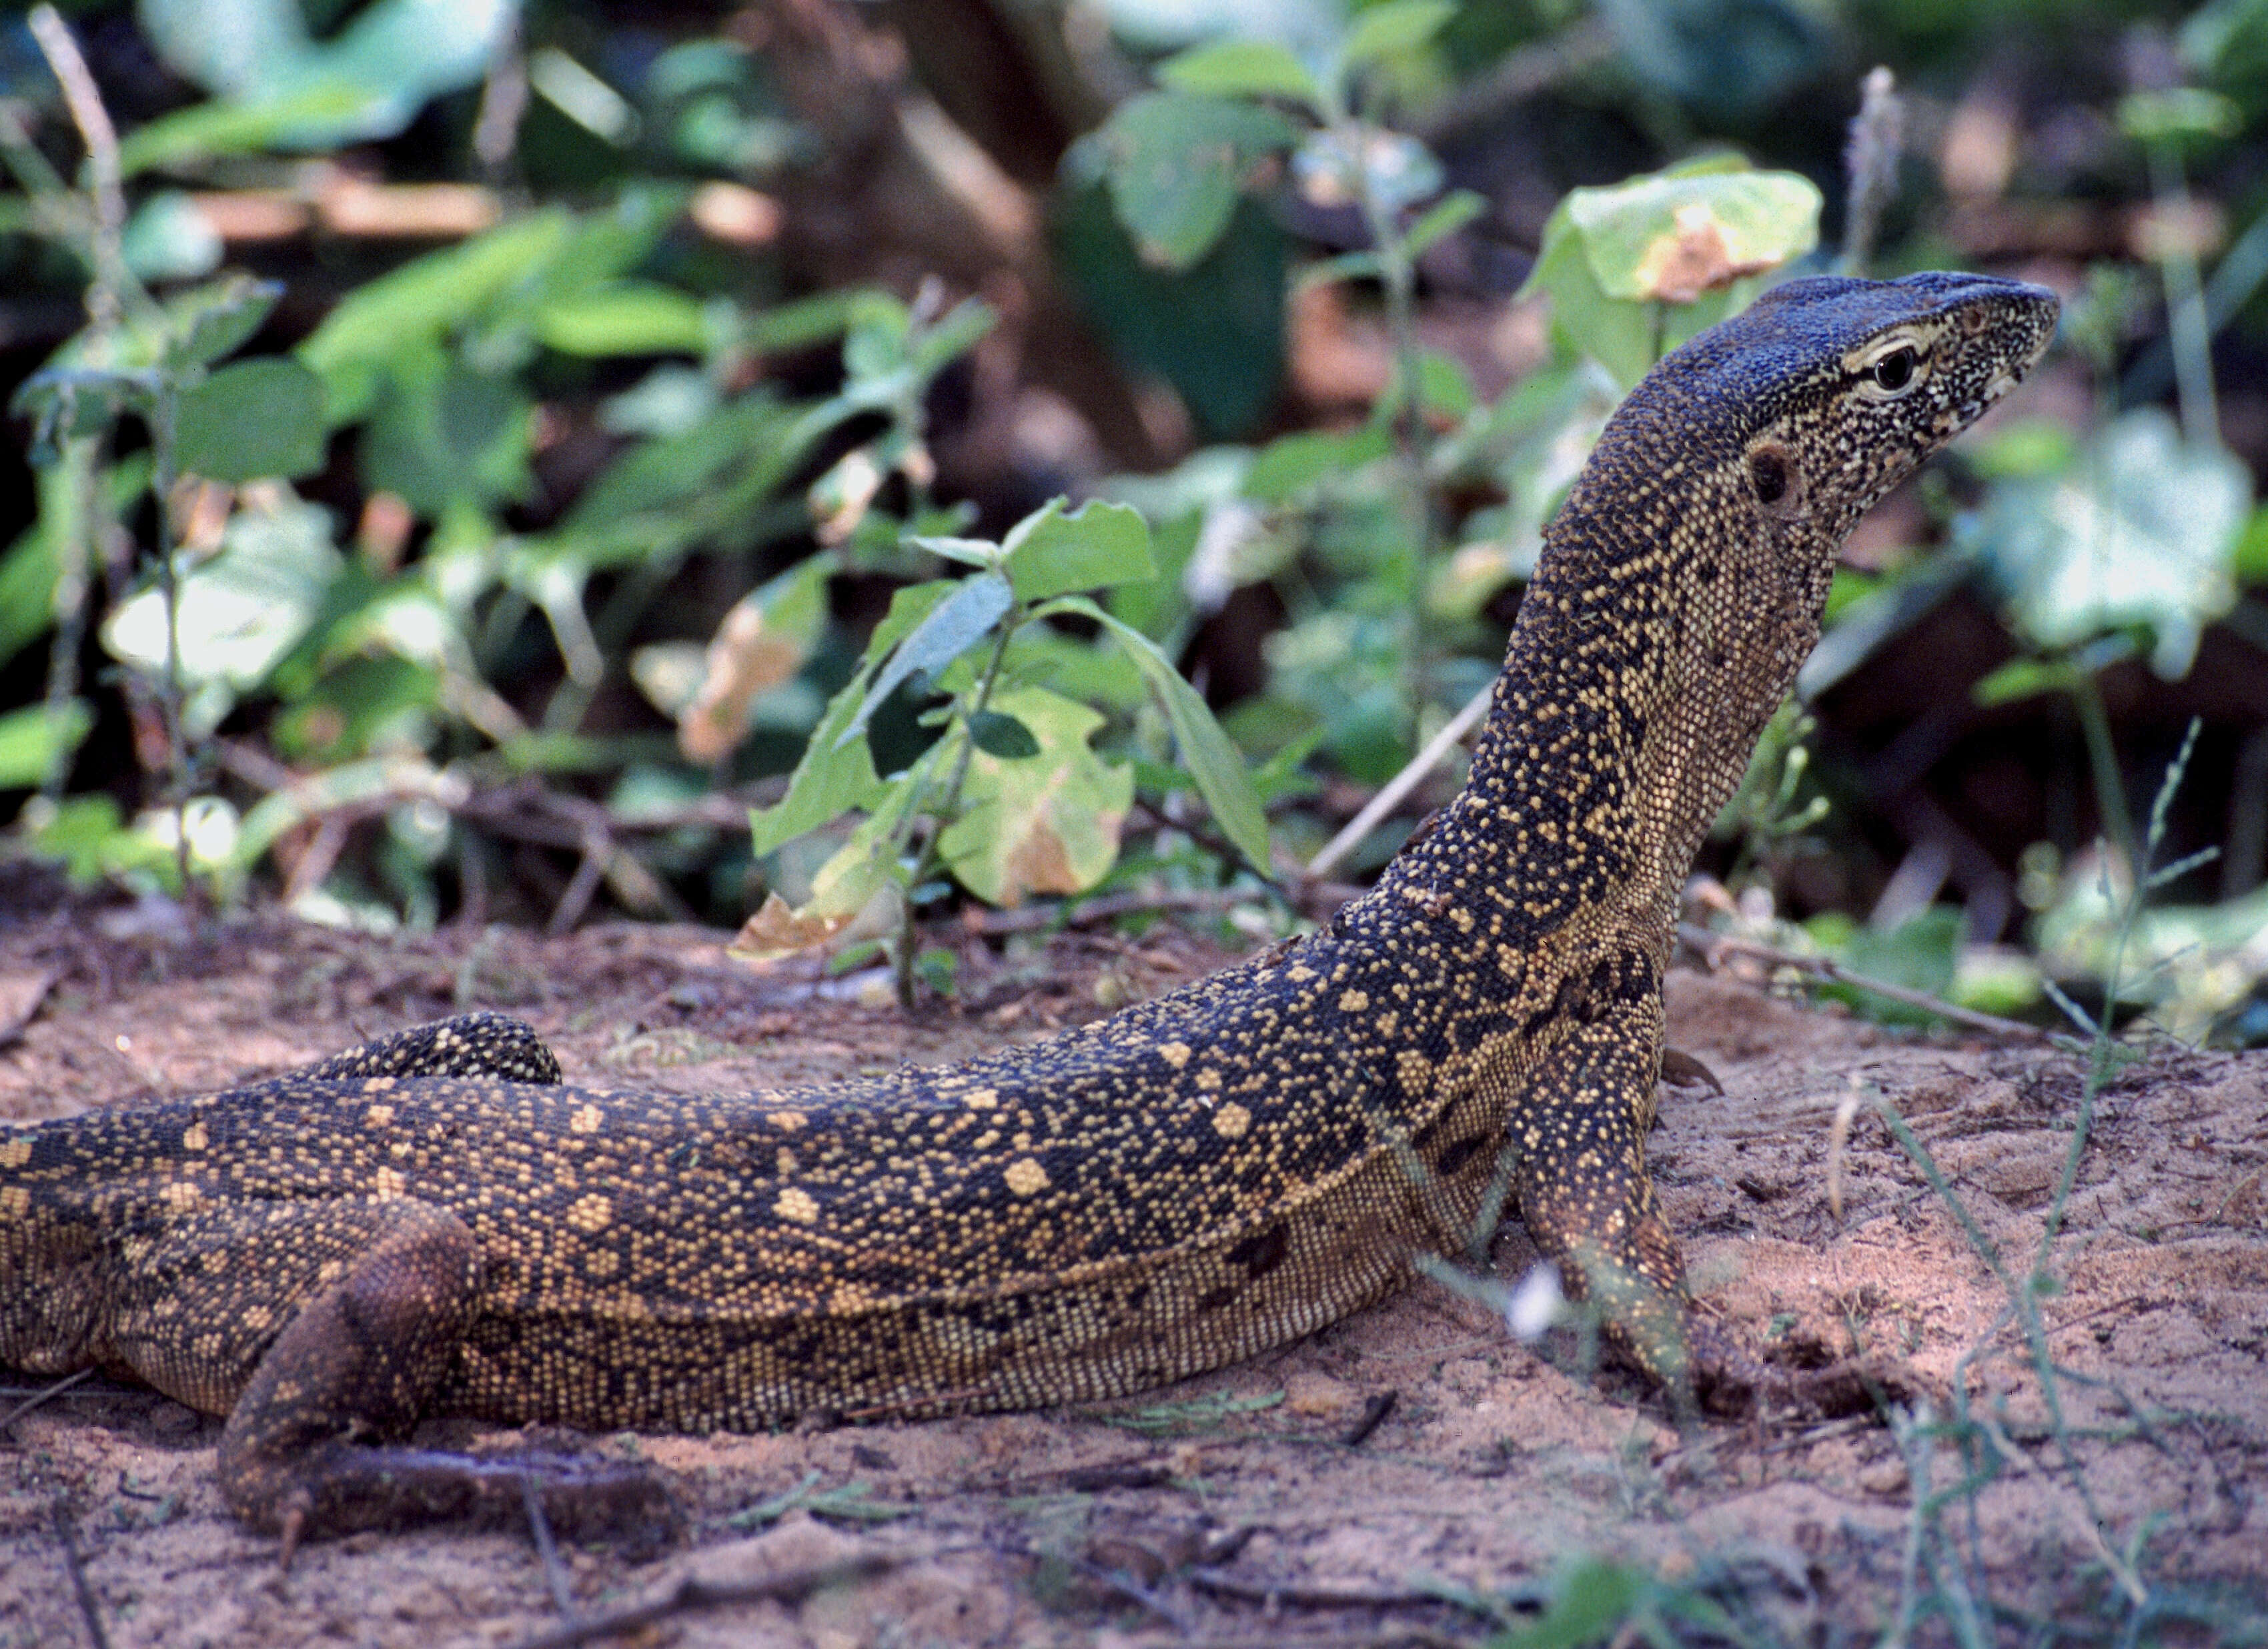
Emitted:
<point x="1672" y="238"/>
<point x="763" y="642"/>
<point x="1042" y="824"/>
<point x="855" y="896"/>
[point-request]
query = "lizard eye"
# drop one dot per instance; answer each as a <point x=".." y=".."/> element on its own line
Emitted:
<point x="1895" y="371"/>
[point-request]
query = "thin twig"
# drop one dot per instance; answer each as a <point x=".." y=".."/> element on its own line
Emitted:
<point x="1086" y="913"/>
<point x="547" y="1549"/>
<point x="48" y="1394"/>
<point x="1127" y="1587"/>
<point x="1712" y="949"/>
<point x="691" y="1591"/>
<point x="87" y="1608"/>
<point x="1402" y="783"/>
<point x="1221" y="1584"/>
<point x="85" y="101"/>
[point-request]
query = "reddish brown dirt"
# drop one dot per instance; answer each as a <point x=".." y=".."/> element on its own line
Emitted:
<point x="1493" y="1467"/>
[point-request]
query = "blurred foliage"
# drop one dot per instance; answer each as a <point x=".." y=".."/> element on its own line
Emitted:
<point x="568" y="449"/>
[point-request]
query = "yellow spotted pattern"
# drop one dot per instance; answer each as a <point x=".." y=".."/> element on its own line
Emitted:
<point x="1185" y="1184"/>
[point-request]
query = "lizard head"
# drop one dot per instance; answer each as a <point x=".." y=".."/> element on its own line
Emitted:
<point x="1837" y="389"/>
<point x="1685" y="576"/>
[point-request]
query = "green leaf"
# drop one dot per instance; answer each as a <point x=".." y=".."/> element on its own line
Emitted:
<point x="1046" y="822"/>
<point x="2178" y="113"/>
<point x="214" y="320"/>
<point x="1447" y="216"/>
<point x="1245" y="68"/>
<point x="1654" y="259"/>
<point x="1673" y="236"/>
<point x="362" y="338"/>
<point x="2022" y="679"/>
<point x="1176" y="162"/>
<point x="223" y="127"/>
<point x="250" y="420"/>
<point x="625" y="317"/>
<point x="1590" y="1601"/>
<point x="1291" y="464"/>
<point x="1919" y="955"/>
<point x="999" y="734"/>
<point x="2252" y="551"/>
<point x="448" y="434"/>
<point x="953" y="627"/>
<point x="1400" y="25"/>
<point x="31" y="741"/>
<point x="1049" y="553"/>
<point x="1213" y="762"/>
<point x="240" y="613"/>
<point x="2143" y="530"/>
<point x="836" y="775"/>
<point x="397" y="54"/>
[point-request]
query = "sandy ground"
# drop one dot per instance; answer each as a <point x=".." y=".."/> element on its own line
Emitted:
<point x="1172" y="1519"/>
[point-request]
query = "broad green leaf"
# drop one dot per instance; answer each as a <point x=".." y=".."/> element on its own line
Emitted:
<point x="1617" y="300"/>
<point x="1049" y="553"/>
<point x="626" y="318"/>
<point x="2252" y="551"/>
<point x="360" y="338"/>
<point x="240" y="613"/>
<point x="1213" y="762"/>
<point x="397" y="54"/>
<point x="1674" y="236"/>
<point x="836" y="775"/>
<point x="1398" y="26"/>
<point x="856" y="894"/>
<point x="1919" y="955"/>
<point x="1291" y="464"/>
<point x="969" y="552"/>
<point x="446" y="434"/>
<point x="2142" y="530"/>
<point x="1045" y="823"/>
<point x="1176" y="163"/>
<point x="31" y="741"/>
<point x="252" y="420"/>
<point x="953" y="625"/>
<point x="1242" y="68"/>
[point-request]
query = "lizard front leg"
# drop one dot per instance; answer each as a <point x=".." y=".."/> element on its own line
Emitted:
<point x="1579" y="1126"/>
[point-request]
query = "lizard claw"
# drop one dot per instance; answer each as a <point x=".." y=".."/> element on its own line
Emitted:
<point x="292" y="1523"/>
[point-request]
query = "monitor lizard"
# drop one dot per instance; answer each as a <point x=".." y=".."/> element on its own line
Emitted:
<point x="436" y="1224"/>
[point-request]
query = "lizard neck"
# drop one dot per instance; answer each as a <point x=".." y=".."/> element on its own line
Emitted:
<point x="1665" y="621"/>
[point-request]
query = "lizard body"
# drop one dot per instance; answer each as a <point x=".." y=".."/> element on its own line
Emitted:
<point x="435" y="1224"/>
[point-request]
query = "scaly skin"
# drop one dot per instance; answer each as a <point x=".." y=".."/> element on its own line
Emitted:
<point x="335" y="1253"/>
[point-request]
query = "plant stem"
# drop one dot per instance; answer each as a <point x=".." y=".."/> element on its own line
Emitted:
<point x="162" y="409"/>
<point x="908" y="927"/>
<point x="2102" y="764"/>
<point x="2189" y="329"/>
<point x="1398" y="277"/>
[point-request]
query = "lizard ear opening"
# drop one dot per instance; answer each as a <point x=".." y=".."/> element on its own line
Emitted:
<point x="1775" y="478"/>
